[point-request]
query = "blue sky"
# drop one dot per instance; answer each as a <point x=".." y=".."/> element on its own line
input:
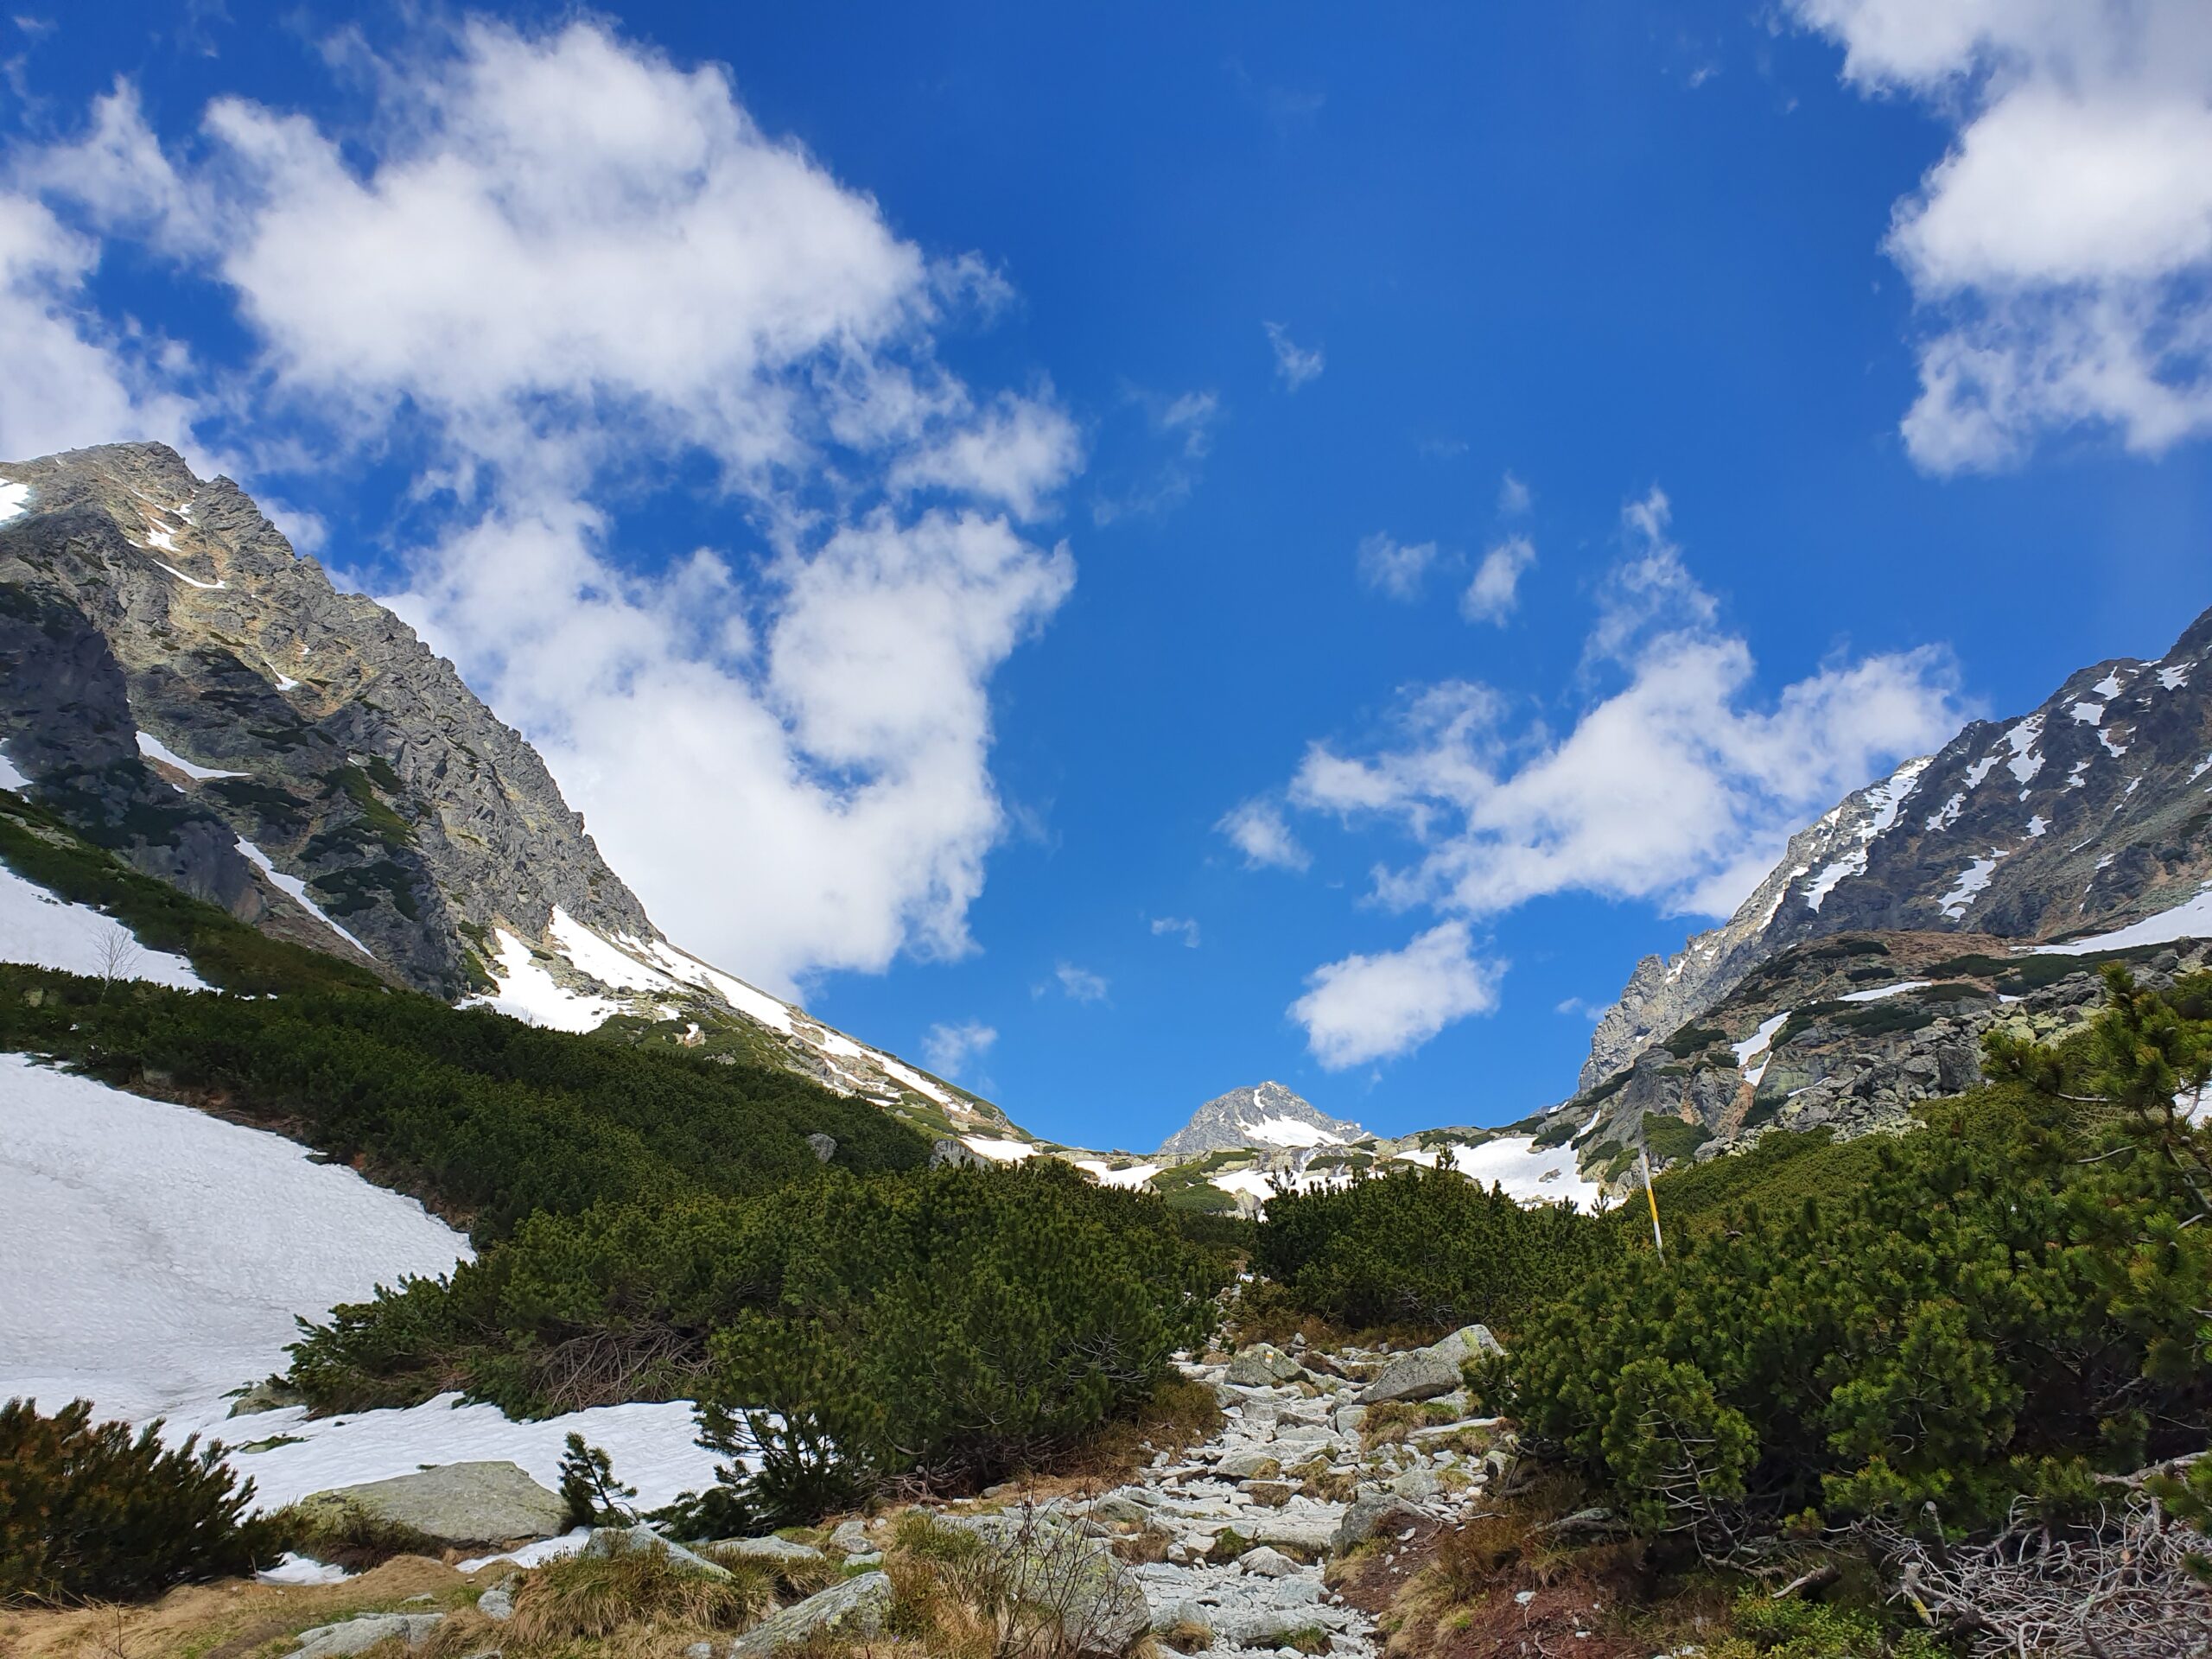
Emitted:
<point x="1135" y="550"/>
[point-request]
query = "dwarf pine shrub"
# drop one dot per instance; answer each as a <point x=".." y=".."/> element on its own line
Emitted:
<point x="93" y="1511"/>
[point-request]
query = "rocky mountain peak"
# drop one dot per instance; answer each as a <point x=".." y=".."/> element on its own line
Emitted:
<point x="1266" y="1117"/>
<point x="185" y="689"/>
<point x="2092" y="810"/>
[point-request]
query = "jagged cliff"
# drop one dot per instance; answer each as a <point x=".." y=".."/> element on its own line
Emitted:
<point x="183" y="689"/>
<point x="2089" y="812"/>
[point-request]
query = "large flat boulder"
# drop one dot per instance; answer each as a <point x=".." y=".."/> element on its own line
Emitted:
<point x="452" y="1506"/>
<point x="1431" y="1372"/>
<point x="359" y="1634"/>
<point x="853" y="1607"/>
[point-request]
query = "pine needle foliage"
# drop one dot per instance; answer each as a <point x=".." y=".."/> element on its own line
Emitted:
<point x="93" y="1511"/>
<point x="1425" y="1248"/>
<point x="2003" y="1306"/>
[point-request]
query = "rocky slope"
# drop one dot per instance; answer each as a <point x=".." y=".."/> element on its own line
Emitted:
<point x="2091" y="811"/>
<point x="1266" y="1117"/>
<point x="185" y="690"/>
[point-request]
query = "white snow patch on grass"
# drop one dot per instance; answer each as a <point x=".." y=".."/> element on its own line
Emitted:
<point x="1254" y="1183"/>
<point x="2111" y="748"/>
<point x="2038" y="825"/>
<point x="756" y="1004"/>
<point x="2089" y="713"/>
<point x="2108" y="687"/>
<point x="162" y="538"/>
<point x="1980" y="770"/>
<point x="649" y="1444"/>
<point x="527" y="993"/>
<point x="155" y="1255"/>
<point x="1527" y="1173"/>
<point x="297" y="889"/>
<point x="14" y="500"/>
<point x="2175" y="678"/>
<point x="1882" y="991"/>
<point x="999" y="1152"/>
<point x="10" y="777"/>
<point x="2191" y="920"/>
<point x="1947" y="814"/>
<point x="153" y="749"/>
<point x="38" y="928"/>
<point x="1131" y="1175"/>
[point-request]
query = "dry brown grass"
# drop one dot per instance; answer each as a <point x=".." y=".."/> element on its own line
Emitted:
<point x="597" y="1595"/>
<point x="232" y="1619"/>
<point x="1180" y="1414"/>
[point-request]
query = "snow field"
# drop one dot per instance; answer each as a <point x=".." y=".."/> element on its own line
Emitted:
<point x="153" y="1261"/>
<point x="37" y="928"/>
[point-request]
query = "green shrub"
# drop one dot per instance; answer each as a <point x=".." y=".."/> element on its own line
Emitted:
<point x="93" y="1511"/>
<point x="1427" y="1248"/>
<point x="1671" y="1140"/>
<point x="1767" y="1628"/>
<point x="471" y="1111"/>
<point x="950" y="1326"/>
<point x="1989" y="1314"/>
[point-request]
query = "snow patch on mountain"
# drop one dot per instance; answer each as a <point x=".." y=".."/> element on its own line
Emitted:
<point x="2191" y="920"/>
<point x="295" y="886"/>
<point x="153" y="749"/>
<point x="37" y="928"/>
<point x="1266" y="1117"/>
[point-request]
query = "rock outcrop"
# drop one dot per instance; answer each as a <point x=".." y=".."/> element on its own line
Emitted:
<point x="2088" y="813"/>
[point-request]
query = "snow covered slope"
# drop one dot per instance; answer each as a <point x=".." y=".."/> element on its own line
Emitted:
<point x="153" y="1258"/>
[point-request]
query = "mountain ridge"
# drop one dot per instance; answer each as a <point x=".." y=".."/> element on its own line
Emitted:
<point x="185" y="690"/>
<point x="2088" y="812"/>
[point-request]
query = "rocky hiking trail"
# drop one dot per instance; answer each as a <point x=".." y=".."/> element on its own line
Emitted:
<point x="1238" y="1545"/>
<point x="1226" y="1546"/>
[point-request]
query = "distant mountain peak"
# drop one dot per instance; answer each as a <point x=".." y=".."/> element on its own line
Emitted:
<point x="1266" y="1117"/>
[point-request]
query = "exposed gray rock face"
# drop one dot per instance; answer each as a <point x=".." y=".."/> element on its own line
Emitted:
<point x="853" y="1607"/>
<point x="1268" y="1117"/>
<point x="777" y="1552"/>
<point x="458" y="1503"/>
<point x="2085" y="815"/>
<point x="144" y="600"/>
<point x="187" y="691"/>
<point x="1262" y="1365"/>
<point x="359" y="1635"/>
<point x="643" y="1540"/>
<point x="1847" y="1034"/>
<point x="1431" y="1372"/>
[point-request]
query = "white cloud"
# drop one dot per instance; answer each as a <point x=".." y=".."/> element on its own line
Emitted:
<point x="1492" y="596"/>
<point x="1295" y="364"/>
<point x="568" y="269"/>
<point x="1080" y="984"/>
<point x="2062" y="250"/>
<point x="1577" y="1008"/>
<point x="1374" y="1007"/>
<point x="1514" y="498"/>
<point x="1679" y="785"/>
<point x="1394" y="568"/>
<point x="1256" y="829"/>
<point x="946" y="1050"/>
<point x="1183" y="927"/>
<point x="71" y="379"/>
